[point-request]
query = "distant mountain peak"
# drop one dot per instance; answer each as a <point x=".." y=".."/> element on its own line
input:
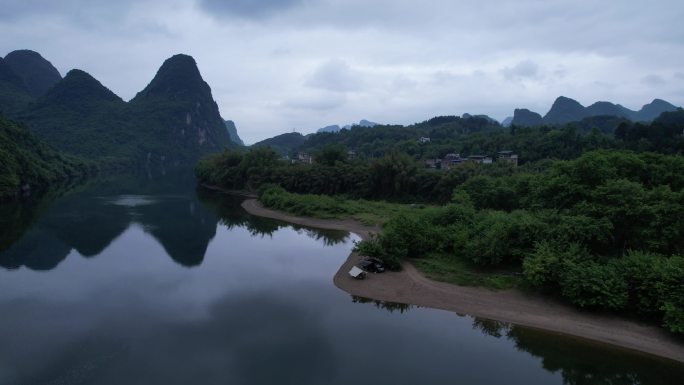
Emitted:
<point x="331" y="128"/>
<point x="232" y="133"/>
<point x="37" y="73"/>
<point x="603" y="108"/>
<point x="367" y="123"/>
<point x="564" y="110"/>
<point x="336" y="127"/>
<point x="177" y="78"/>
<point x="283" y="143"/>
<point x="522" y="117"/>
<point x="480" y="116"/>
<point x="179" y="91"/>
<point x="652" y="110"/>
<point x="78" y="87"/>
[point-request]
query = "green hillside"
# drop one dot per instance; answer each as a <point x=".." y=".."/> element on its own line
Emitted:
<point x="13" y="93"/>
<point x="29" y="164"/>
<point x="173" y="121"/>
<point x="37" y="73"/>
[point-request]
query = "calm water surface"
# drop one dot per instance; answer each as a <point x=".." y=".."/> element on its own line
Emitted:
<point x="148" y="281"/>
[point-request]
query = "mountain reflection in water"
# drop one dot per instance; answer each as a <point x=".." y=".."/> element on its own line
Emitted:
<point x="257" y="304"/>
<point x="180" y="216"/>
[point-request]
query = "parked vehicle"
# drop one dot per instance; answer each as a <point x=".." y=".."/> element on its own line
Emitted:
<point x="357" y="273"/>
<point x="371" y="265"/>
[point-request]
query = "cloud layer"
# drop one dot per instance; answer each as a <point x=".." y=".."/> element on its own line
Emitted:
<point x="279" y="65"/>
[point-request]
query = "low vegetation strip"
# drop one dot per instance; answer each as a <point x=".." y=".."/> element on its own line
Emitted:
<point x="460" y="271"/>
<point x="324" y="206"/>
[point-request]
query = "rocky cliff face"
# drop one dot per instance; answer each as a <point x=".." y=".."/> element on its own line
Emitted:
<point x="233" y="134"/>
<point x="180" y="99"/>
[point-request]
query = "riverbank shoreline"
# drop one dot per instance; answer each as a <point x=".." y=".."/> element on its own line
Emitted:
<point x="409" y="286"/>
<point x="242" y="193"/>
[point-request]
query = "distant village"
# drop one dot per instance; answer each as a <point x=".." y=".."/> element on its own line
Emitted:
<point x="450" y="160"/>
<point x="454" y="159"/>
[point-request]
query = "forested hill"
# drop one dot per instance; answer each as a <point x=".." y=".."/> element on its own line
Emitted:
<point x="29" y="164"/>
<point x="478" y="136"/>
<point x="373" y="141"/>
<point x="566" y="110"/>
<point x="283" y="144"/>
<point x="37" y="74"/>
<point x="173" y="121"/>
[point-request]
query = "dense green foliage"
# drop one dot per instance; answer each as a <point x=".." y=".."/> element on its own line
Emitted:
<point x="593" y="218"/>
<point x="26" y="161"/>
<point x="605" y="231"/>
<point x="396" y="175"/>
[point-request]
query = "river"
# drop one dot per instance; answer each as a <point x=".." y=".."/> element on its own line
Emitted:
<point x="150" y="280"/>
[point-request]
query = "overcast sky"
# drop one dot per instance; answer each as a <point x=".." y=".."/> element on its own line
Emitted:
<point x="279" y="65"/>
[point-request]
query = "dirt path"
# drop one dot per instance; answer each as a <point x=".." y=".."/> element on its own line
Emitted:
<point x="411" y="287"/>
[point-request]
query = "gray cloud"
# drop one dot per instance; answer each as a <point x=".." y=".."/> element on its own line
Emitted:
<point x="250" y="9"/>
<point x="317" y="101"/>
<point x="653" y="80"/>
<point x="335" y="75"/>
<point x="73" y="9"/>
<point x="526" y="69"/>
<point x="271" y="64"/>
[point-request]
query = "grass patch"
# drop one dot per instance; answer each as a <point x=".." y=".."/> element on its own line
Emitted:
<point x="327" y="207"/>
<point x="452" y="269"/>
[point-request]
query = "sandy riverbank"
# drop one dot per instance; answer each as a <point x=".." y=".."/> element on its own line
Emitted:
<point x="411" y="287"/>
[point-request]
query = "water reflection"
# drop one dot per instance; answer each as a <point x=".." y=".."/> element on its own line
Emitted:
<point x="15" y="219"/>
<point x="259" y="307"/>
<point x="385" y="305"/>
<point x="584" y="362"/>
<point x="183" y="218"/>
<point x="228" y="209"/>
